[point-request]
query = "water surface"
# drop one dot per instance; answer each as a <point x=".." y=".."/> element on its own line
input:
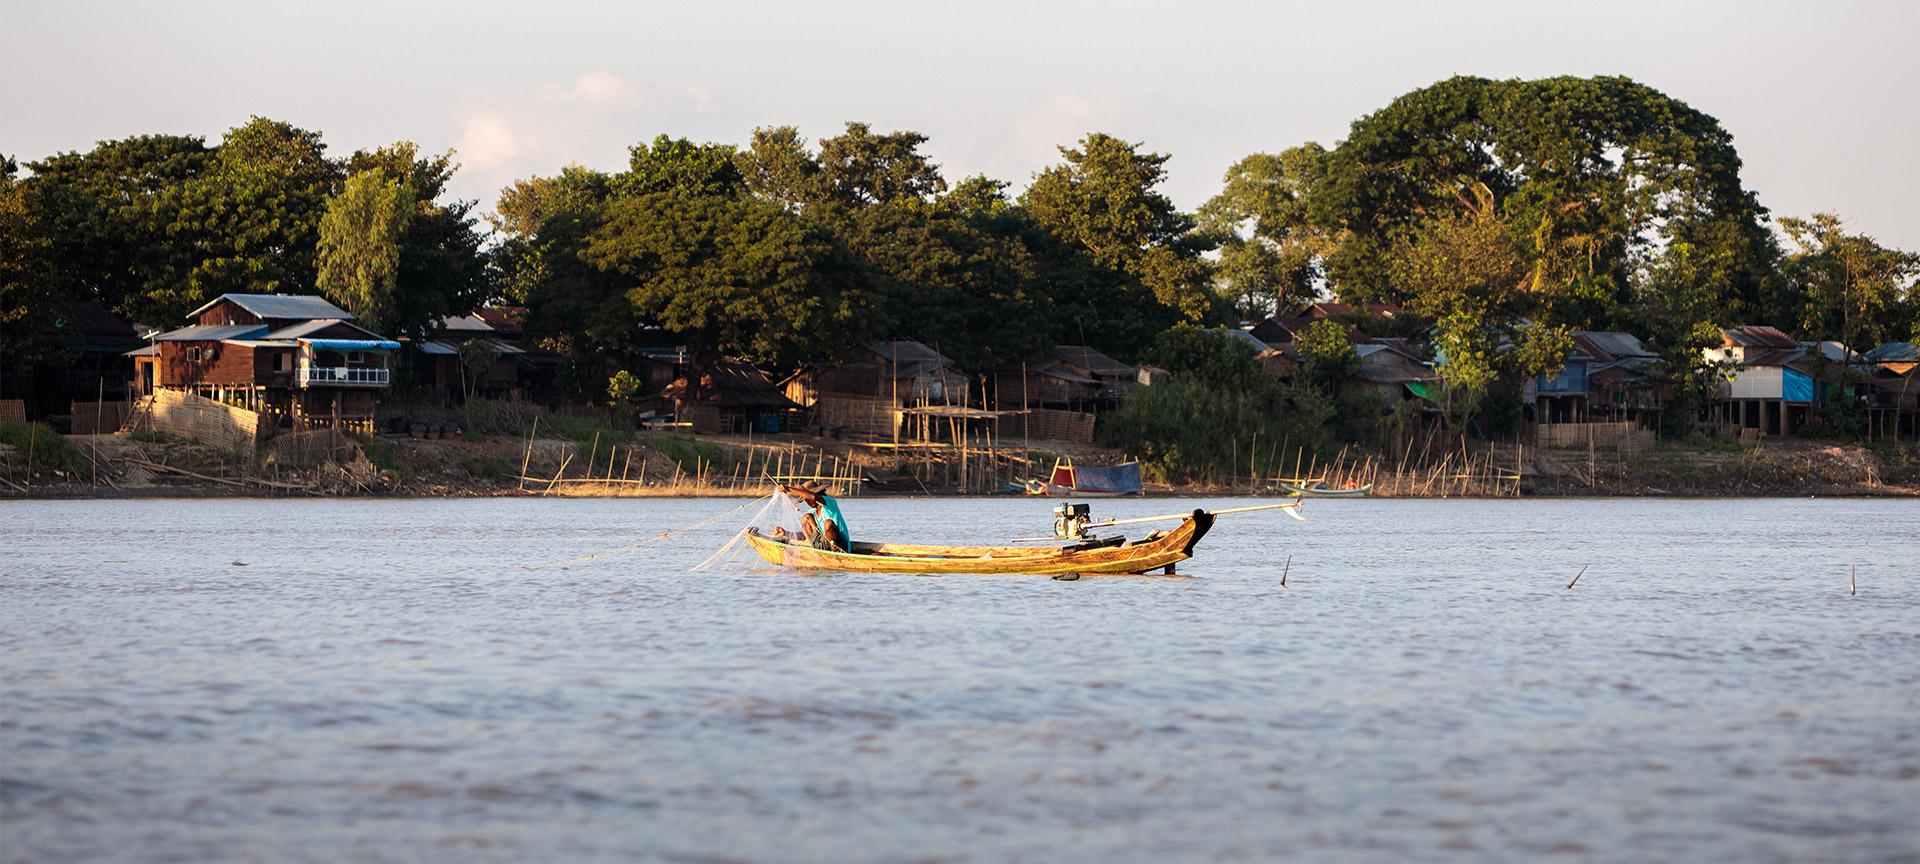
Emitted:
<point x="390" y="681"/>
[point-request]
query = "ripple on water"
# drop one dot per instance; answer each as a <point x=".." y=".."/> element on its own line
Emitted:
<point x="1424" y="686"/>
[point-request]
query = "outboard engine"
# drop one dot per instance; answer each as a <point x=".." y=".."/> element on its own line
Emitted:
<point x="1070" y="521"/>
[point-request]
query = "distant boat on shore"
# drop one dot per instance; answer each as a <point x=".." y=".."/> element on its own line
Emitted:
<point x="1070" y="481"/>
<point x="1320" y="489"/>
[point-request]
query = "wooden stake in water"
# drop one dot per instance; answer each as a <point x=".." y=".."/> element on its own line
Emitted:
<point x="1851" y="588"/>
<point x="1284" y="569"/>
<point x="1576" y="576"/>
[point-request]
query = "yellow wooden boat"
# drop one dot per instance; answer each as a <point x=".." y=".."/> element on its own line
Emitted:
<point x="1110" y="556"/>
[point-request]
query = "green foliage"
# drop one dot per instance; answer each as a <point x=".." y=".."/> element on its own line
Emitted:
<point x="39" y="444"/>
<point x="1326" y="351"/>
<point x="1848" y="287"/>
<point x="1595" y="177"/>
<point x="622" y="389"/>
<point x="1201" y="424"/>
<point x="476" y="357"/>
<point x="680" y="166"/>
<point x="251" y="219"/>
<point x="30" y="300"/>
<point x="1103" y="202"/>
<point x="1270" y="254"/>
<point x="859" y="168"/>
<point x="730" y="276"/>
<point x="1211" y="358"/>
<point x="1191" y="429"/>
<point x="360" y="246"/>
<point x="385" y="458"/>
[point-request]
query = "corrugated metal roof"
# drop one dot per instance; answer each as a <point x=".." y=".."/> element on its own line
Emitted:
<point x="212" y="332"/>
<point x="1758" y="337"/>
<point x="1091" y="360"/>
<point x="281" y="306"/>
<point x="906" y="351"/>
<point x="1612" y="344"/>
<point x="437" y="348"/>
<point x="463" y="324"/>
<point x="308" y="328"/>
<point x="734" y="383"/>
<point x="1249" y="338"/>
<point x="1895" y="352"/>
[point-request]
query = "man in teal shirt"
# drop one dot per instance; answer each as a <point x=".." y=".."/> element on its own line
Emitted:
<point x="832" y="533"/>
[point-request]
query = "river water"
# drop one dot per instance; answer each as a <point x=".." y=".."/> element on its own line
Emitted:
<point x="264" y="680"/>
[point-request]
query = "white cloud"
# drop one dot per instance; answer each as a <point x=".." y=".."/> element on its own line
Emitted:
<point x="1060" y="120"/>
<point x="488" y="142"/>
<point x="509" y="135"/>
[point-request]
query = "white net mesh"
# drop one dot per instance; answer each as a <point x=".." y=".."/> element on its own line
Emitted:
<point x="779" y="516"/>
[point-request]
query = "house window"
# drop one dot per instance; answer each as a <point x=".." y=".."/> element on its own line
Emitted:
<point x="282" y="362"/>
<point x="355" y="358"/>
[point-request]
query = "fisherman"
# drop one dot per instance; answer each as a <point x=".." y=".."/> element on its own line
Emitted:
<point x="824" y="528"/>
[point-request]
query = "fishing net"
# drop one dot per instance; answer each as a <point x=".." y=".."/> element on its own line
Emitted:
<point x="779" y="516"/>
<point x="768" y="504"/>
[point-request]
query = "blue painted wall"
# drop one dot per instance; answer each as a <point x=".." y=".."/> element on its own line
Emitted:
<point x="1572" y="379"/>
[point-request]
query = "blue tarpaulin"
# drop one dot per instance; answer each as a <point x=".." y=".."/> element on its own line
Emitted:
<point x="1118" y="478"/>
<point x="353" y="344"/>
<point x="1797" y="387"/>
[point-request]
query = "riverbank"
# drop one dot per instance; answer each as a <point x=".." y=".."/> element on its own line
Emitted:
<point x="678" y="465"/>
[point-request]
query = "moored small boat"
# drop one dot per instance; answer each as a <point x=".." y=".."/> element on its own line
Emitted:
<point x="1322" y="490"/>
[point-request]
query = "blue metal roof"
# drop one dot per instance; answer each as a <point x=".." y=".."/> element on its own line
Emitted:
<point x="1895" y="352"/>
<point x="353" y="344"/>
<point x="212" y="332"/>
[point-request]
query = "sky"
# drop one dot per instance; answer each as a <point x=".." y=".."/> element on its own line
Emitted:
<point x="1820" y="97"/>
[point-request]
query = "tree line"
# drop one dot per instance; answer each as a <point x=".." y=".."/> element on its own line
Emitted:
<point x="1504" y="214"/>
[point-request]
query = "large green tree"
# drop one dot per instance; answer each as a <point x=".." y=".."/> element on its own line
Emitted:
<point x="360" y="247"/>
<point x="1271" y="255"/>
<point x="108" y="224"/>
<point x="1847" y="286"/>
<point x="253" y="217"/>
<point x="441" y="269"/>
<point x="30" y="301"/>
<point x="730" y="276"/>
<point x="1598" y="179"/>
<point x="1129" y="262"/>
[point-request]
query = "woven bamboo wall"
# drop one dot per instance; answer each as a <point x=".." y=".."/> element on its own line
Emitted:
<point x="1049" y="423"/>
<point x="201" y="419"/>
<point x="873" y="415"/>
<point x="12" y="409"/>
<point x="1625" y="437"/>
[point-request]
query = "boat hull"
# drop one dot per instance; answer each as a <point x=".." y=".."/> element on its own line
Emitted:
<point x="1156" y="552"/>
<point x="1315" y="492"/>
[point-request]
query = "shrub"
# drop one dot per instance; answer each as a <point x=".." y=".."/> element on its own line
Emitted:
<point x="1191" y="430"/>
<point x="44" y="446"/>
<point x="384" y="458"/>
